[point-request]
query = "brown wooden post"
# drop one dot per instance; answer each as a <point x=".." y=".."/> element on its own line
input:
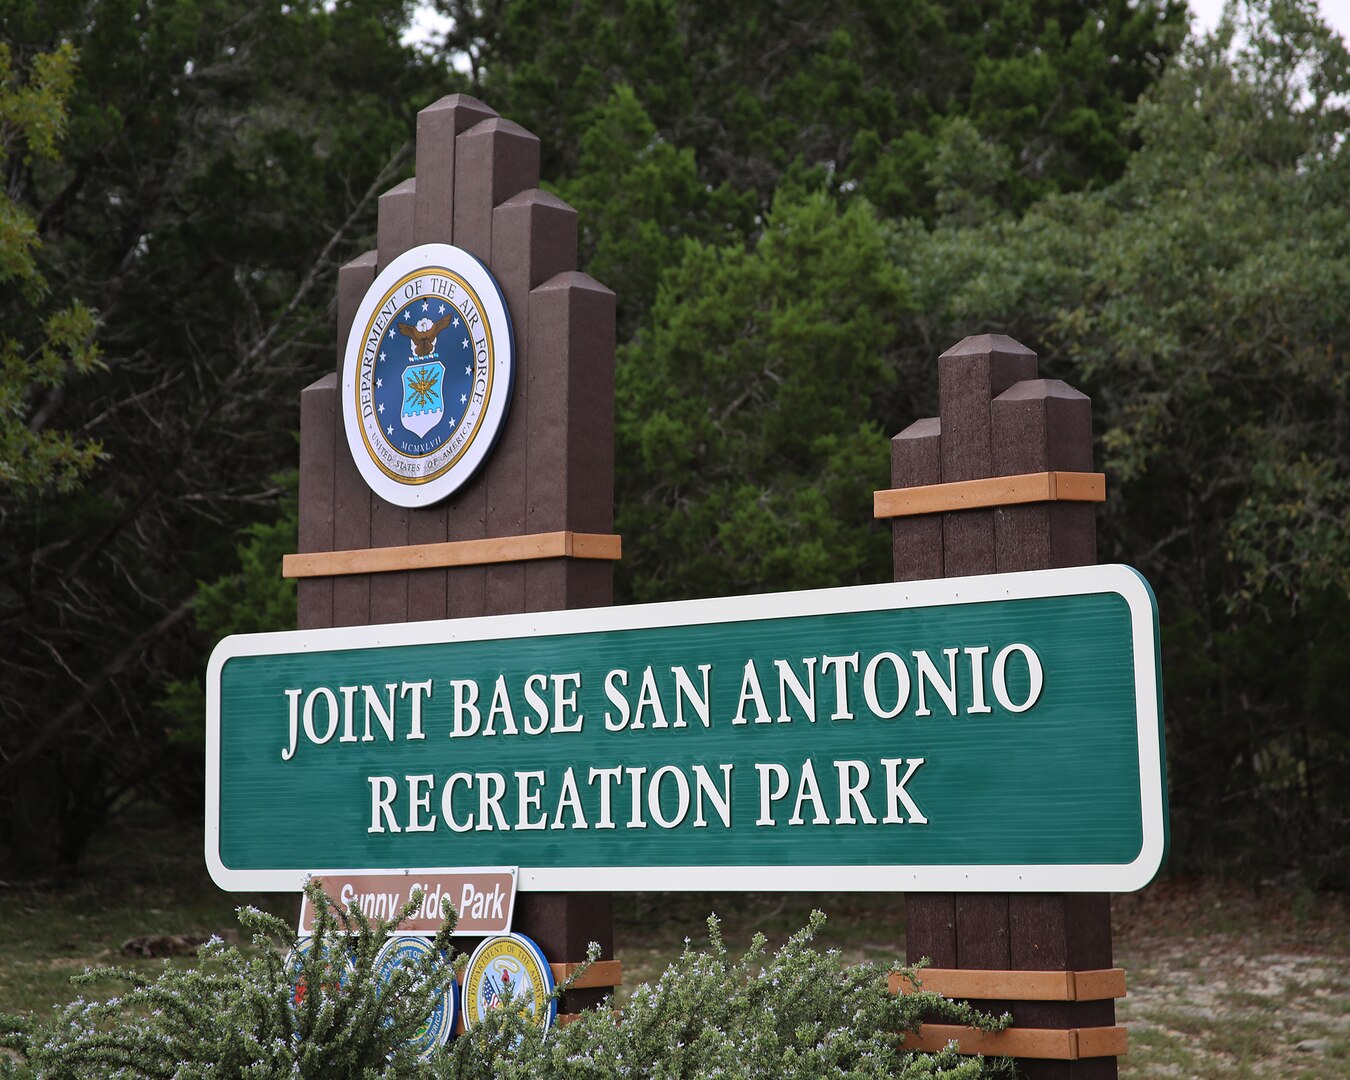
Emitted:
<point x="552" y="469"/>
<point x="997" y="419"/>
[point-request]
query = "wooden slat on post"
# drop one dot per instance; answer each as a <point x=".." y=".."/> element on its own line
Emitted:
<point x="477" y="186"/>
<point x="490" y="552"/>
<point x="994" y="491"/>
<point x="495" y="160"/>
<point x="997" y="419"/>
<point x="1038" y="1049"/>
<point x="352" y="499"/>
<point x="534" y="237"/>
<point x="968" y="983"/>
<point x="438" y="128"/>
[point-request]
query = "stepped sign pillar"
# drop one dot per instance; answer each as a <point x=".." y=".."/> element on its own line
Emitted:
<point x="1001" y="482"/>
<point x="459" y="461"/>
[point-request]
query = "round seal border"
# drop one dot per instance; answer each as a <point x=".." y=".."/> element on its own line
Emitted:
<point x="530" y="958"/>
<point x="440" y="1027"/>
<point x="421" y="484"/>
<point x="459" y="282"/>
<point x="334" y="956"/>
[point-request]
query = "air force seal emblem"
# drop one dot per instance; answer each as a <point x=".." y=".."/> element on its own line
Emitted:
<point x="423" y="397"/>
<point x="427" y="374"/>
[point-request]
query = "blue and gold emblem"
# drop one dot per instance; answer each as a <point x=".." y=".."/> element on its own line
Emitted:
<point x="509" y="971"/>
<point x="337" y="969"/>
<point x="440" y="1025"/>
<point x="427" y="374"/>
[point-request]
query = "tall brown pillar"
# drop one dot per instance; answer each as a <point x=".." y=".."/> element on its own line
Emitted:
<point x="553" y="467"/>
<point x="996" y="418"/>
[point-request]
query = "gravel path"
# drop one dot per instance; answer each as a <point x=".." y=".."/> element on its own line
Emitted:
<point x="1226" y="983"/>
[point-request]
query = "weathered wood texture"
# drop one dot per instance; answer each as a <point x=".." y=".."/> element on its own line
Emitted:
<point x="318" y="424"/>
<point x="998" y="419"/>
<point x="1015" y="985"/>
<point x="994" y="491"/>
<point x="1067" y="1045"/>
<point x="489" y="551"/>
<point x="477" y="186"/>
<point x="438" y="128"/>
<point x="352" y="499"/>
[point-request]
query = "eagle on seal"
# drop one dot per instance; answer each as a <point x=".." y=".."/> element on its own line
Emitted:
<point x="423" y="334"/>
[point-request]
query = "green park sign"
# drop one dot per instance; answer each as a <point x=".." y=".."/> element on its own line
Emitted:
<point x="999" y="733"/>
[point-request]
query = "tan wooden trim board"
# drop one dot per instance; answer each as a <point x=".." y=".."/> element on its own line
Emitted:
<point x="495" y="549"/>
<point x="990" y="491"/>
<point x="966" y="983"/>
<point x="1055" y="1044"/>
<point x="600" y="973"/>
<point x="563" y="1019"/>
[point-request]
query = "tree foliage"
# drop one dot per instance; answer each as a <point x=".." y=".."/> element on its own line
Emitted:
<point x="853" y="97"/>
<point x="1195" y="298"/>
<point x="801" y="206"/>
<point x="763" y="483"/>
<point x="219" y="160"/>
<point x="1196" y="301"/>
<point x="40" y="346"/>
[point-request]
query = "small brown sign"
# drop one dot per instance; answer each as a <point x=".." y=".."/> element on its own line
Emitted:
<point x="484" y="898"/>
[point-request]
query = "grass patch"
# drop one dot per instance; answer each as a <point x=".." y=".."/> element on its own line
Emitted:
<point x="145" y="878"/>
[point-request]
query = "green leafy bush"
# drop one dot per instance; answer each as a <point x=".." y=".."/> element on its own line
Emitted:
<point x="795" y="1013"/>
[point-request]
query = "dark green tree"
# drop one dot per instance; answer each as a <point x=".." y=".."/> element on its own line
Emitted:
<point x="846" y="97"/>
<point x="1198" y="301"/>
<point x="220" y="159"/>
<point x="41" y="345"/>
<point x="749" y="430"/>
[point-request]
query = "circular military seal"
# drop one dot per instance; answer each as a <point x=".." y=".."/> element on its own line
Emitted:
<point x="508" y="968"/>
<point x="440" y="1026"/>
<point x="427" y="374"/>
<point x="338" y="969"/>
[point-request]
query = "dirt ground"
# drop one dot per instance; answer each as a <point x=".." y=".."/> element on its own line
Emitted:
<point x="1229" y="981"/>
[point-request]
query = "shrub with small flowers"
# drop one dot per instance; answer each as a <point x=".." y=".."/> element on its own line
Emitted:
<point x="794" y="1013"/>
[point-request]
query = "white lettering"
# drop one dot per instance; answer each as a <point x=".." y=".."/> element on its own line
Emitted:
<point x="527" y="800"/>
<point x="896" y="793"/>
<point x="618" y="675"/>
<point x="684" y="688"/>
<point x="928" y="672"/>
<point x="418" y="802"/>
<point x="382" y="793"/>
<point x="563" y="699"/>
<point x="841" y="664"/>
<point x="767" y="797"/>
<point x="448" y="799"/>
<point x="851" y="793"/>
<point x="1034" y="670"/>
<point x="466" y="697"/>
<point x="681" y="796"/>
<point x="789" y="683"/>
<point x="703" y="784"/>
<point x="534" y="687"/>
<point x="901" y="685"/>
<point x="751" y="692"/>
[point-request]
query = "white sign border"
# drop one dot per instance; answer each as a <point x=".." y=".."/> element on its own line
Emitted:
<point x="1028" y="585"/>
<point x="429" y="257"/>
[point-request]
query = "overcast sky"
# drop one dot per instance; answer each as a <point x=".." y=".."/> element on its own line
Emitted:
<point x="427" y="25"/>
<point x="1336" y="13"/>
